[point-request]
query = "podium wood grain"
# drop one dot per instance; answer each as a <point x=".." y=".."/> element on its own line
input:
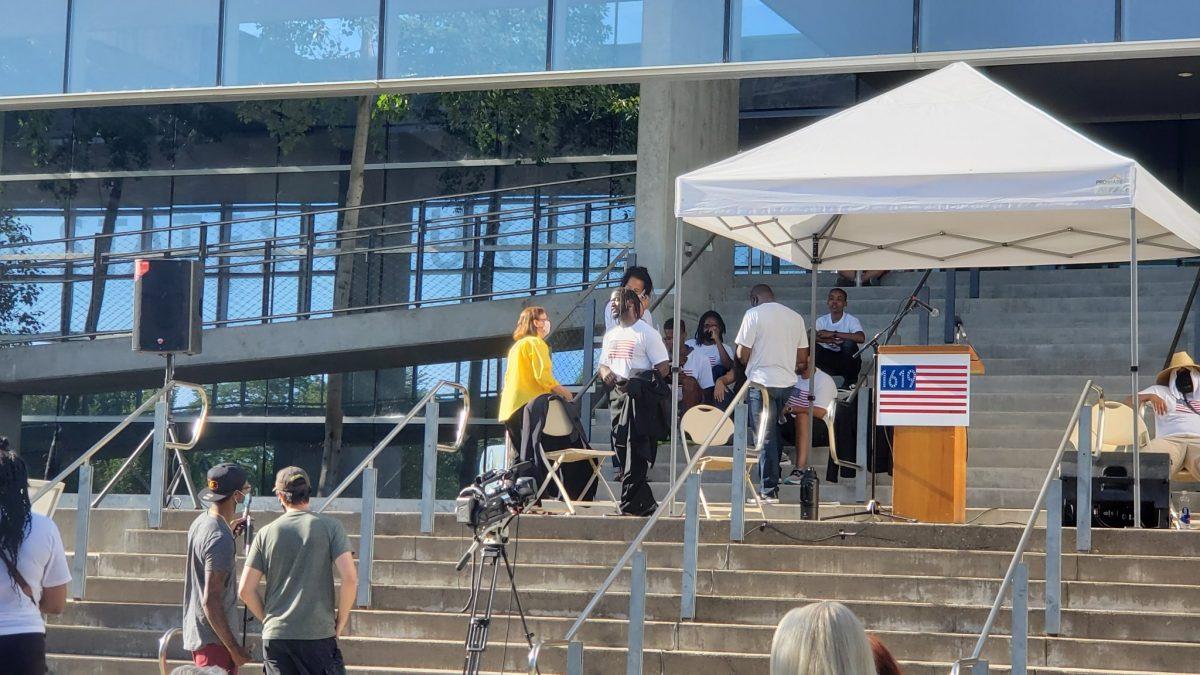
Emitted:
<point x="929" y="474"/>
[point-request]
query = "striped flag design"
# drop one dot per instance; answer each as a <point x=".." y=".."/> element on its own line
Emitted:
<point x="1181" y="406"/>
<point x="923" y="389"/>
<point x="621" y="349"/>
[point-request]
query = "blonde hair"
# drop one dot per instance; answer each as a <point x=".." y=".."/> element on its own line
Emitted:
<point x="824" y="638"/>
<point x="525" y="326"/>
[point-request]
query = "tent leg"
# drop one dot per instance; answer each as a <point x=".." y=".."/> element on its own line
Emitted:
<point x="1133" y="367"/>
<point x="812" y="348"/>
<point x="675" y="355"/>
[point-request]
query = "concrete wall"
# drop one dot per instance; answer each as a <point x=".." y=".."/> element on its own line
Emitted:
<point x="682" y="126"/>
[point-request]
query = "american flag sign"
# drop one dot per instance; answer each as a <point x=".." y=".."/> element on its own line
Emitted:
<point x="931" y="390"/>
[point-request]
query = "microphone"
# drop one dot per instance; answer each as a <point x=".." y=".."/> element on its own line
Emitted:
<point x="960" y="333"/>
<point x="933" y="311"/>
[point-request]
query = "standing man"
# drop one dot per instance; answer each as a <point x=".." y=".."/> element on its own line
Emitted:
<point x="209" y="600"/>
<point x="772" y="344"/>
<point x="838" y="335"/>
<point x="297" y="553"/>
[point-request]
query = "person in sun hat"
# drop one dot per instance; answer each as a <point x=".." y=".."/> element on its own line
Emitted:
<point x="209" y="587"/>
<point x="1176" y="413"/>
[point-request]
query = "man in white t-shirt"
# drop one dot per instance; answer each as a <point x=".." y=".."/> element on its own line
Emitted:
<point x="772" y="343"/>
<point x="636" y="279"/>
<point x="839" y="334"/>
<point x="1176" y="413"/>
<point x="795" y="414"/>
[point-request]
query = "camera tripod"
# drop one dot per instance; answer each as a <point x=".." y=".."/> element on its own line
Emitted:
<point x="493" y="545"/>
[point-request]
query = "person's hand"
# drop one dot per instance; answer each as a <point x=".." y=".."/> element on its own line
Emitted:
<point x="343" y="625"/>
<point x="241" y="656"/>
<point x="1155" y="401"/>
<point x="239" y="525"/>
<point x="719" y="391"/>
<point x="714" y="334"/>
<point x="610" y="379"/>
<point x="568" y="395"/>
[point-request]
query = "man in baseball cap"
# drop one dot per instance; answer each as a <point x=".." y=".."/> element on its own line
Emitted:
<point x="209" y="597"/>
<point x="297" y="553"/>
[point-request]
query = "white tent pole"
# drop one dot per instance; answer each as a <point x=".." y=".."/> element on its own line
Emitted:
<point x="675" y="355"/>
<point x="1133" y="367"/>
<point x="812" y="346"/>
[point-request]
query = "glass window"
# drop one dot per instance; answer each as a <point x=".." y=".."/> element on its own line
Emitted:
<point x="609" y="33"/>
<point x="33" y="39"/>
<point x="267" y="41"/>
<point x="1160" y="19"/>
<point x="143" y="44"/>
<point x="464" y="37"/>
<point x="983" y="24"/>
<point x="767" y="30"/>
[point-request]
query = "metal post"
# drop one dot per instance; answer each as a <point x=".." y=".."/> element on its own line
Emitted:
<point x="980" y="667"/>
<point x="691" y="540"/>
<point x="429" y="466"/>
<point x="923" y="318"/>
<point x="951" y="297"/>
<point x="737" y="476"/>
<point x="1054" y="506"/>
<point x="589" y="364"/>
<point x="677" y="313"/>
<point x="1020" y="620"/>
<point x="158" y="463"/>
<point x="1083" y="482"/>
<point x="366" y="536"/>
<point x="574" y="658"/>
<point x="974" y="282"/>
<point x="812" y="350"/>
<point x="637" y="612"/>
<point x="83" y="514"/>
<point x="1195" y="335"/>
<point x="1133" y="368"/>
<point x="864" y="429"/>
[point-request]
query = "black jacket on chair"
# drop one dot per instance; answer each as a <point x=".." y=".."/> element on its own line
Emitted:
<point x="644" y="400"/>
<point x="575" y="474"/>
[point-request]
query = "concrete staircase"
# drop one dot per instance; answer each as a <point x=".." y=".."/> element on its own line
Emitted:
<point x="924" y="589"/>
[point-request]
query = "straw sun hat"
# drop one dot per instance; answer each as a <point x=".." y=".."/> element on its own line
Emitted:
<point x="1178" y="360"/>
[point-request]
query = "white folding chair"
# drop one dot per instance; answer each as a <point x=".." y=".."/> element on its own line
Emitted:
<point x="697" y="423"/>
<point x="559" y="424"/>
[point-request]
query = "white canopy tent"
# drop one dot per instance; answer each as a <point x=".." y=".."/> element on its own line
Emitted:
<point x="950" y="170"/>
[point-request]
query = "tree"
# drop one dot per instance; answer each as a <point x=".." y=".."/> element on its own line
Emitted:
<point x="17" y="315"/>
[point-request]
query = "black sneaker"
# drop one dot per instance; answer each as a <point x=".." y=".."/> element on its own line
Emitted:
<point x="793" y="477"/>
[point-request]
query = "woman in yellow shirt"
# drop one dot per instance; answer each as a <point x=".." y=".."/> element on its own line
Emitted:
<point x="529" y="372"/>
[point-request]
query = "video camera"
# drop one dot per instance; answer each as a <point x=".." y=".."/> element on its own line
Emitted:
<point x="494" y="495"/>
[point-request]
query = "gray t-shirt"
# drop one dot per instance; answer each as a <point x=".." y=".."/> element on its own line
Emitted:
<point x="211" y="546"/>
<point x="295" y="553"/>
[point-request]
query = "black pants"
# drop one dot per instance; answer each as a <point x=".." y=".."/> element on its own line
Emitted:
<point x="303" y="657"/>
<point x="637" y="498"/>
<point x="841" y="363"/>
<point x="24" y="653"/>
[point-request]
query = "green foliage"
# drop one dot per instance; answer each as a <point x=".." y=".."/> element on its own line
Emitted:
<point x="17" y="315"/>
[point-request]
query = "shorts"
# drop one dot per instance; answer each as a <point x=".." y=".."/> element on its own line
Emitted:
<point x="214" y="654"/>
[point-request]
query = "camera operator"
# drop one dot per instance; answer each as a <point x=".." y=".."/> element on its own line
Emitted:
<point x="296" y="553"/>
<point x="634" y="362"/>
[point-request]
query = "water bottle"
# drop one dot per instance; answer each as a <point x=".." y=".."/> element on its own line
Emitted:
<point x="810" y="494"/>
<point x="1185" y="511"/>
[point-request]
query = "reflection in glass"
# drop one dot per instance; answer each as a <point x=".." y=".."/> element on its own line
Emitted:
<point x="1160" y="19"/>
<point x="985" y="24"/>
<point x="609" y="33"/>
<point x="767" y="30"/>
<point x="143" y="44"/>
<point x="464" y="37"/>
<point x="267" y="41"/>
<point x="33" y="39"/>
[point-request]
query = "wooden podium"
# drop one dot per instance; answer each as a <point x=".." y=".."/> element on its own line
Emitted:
<point x="929" y="463"/>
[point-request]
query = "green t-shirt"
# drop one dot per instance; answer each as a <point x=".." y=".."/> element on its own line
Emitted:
<point x="295" y="553"/>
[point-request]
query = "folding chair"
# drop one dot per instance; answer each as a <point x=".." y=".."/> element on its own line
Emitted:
<point x="697" y="423"/>
<point x="559" y="424"/>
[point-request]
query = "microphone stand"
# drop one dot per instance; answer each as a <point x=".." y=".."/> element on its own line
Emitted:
<point x="873" y="507"/>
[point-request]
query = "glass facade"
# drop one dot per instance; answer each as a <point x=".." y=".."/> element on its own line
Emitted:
<point x="769" y="30"/>
<point x="948" y="25"/>
<point x="142" y="44"/>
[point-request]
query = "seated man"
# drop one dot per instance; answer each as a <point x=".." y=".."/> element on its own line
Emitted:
<point x="1176" y="414"/>
<point x="839" y="334"/>
<point x="694" y="374"/>
<point x="795" y="419"/>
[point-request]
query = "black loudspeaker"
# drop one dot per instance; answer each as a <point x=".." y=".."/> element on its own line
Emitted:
<point x="1112" y="489"/>
<point x="166" y="306"/>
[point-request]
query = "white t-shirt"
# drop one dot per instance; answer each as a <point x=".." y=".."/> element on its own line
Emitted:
<point x="698" y="367"/>
<point x="629" y="349"/>
<point x="826" y="392"/>
<point x="42" y="562"/>
<point x="611" y="321"/>
<point x="1181" y="419"/>
<point x="848" y="324"/>
<point x="773" y="332"/>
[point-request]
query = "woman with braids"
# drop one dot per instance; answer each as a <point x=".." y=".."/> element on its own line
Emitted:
<point x="33" y="573"/>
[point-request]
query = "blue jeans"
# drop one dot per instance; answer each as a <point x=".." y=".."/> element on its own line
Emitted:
<point x="768" y="461"/>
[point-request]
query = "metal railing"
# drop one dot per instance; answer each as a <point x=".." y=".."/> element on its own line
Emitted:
<point x="1016" y="577"/>
<point x="637" y="556"/>
<point x="160" y="402"/>
<point x="370" y="476"/>
<point x="509" y="242"/>
<point x="164" y="643"/>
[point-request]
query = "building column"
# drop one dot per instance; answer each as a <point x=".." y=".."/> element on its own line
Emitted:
<point x="682" y="126"/>
<point x="10" y="419"/>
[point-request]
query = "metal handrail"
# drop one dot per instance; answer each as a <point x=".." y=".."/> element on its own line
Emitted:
<point x="587" y="293"/>
<point x="1027" y="533"/>
<point x="459" y="438"/>
<point x="164" y="642"/>
<point x="763" y="422"/>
